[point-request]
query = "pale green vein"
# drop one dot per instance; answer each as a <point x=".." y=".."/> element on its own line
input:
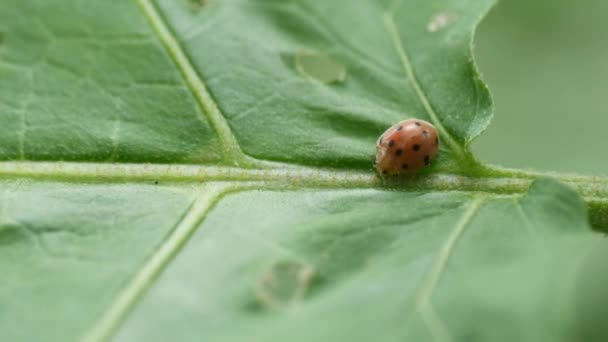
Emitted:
<point x="424" y="305"/>
<point x="524" y="216"/>
<point x="446" y="250"/>
<point x="231" y="149"/>
<point x="395" y="36"/>
<point x="286" y="178"/>
<point x="171" y="173"/>
<point x="591" y="188"/>
<point x="128" y="297"/>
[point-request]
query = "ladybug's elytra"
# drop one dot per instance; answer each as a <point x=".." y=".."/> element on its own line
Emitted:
<point x="406" y="147"/>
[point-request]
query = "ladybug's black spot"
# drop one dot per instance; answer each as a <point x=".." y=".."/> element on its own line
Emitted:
<point x="427" y="160"/>
<point x="416" y="147"/>
<point x="436" y="140"/>
<point x="404" y="166"/>
<point x="391" y="143"/>
<point x="425" y="133"/>
<point x="399" y="152"/>
<point x="417" y="123"/>
<point x="399" y="128"/>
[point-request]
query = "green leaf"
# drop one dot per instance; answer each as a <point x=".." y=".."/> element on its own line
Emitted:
<point x="246" y="51"/>
<point x="66" y="249"/>
<point x="378" y="265"/>
<point x="199" y="170"/>
<point x="92" y="83"/>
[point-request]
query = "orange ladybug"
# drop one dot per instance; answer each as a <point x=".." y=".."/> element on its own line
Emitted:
<point x="406" y="147"/>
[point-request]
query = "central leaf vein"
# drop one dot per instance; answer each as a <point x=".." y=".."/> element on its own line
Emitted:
<point x="593" y="189"/>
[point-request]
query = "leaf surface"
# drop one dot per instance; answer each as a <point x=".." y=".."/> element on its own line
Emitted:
<point x="200" y="170"/>
<point x="360" y="265"/>
<point x="245" y="51"/>
<point x="91" y="82"/>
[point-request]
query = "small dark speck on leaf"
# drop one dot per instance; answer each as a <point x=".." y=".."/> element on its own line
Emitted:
<point x="155" y="182"/>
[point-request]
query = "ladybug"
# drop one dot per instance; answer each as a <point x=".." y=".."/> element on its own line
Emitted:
<point x="406" y="147"/>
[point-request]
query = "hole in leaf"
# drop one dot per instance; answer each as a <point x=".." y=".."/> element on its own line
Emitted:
<point x="283" y="283"/>
<point x="319" y="66"/>
<point x="441" y="20"/>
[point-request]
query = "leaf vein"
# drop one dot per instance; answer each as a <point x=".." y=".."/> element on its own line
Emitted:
<point x="525" y="217"/>
<point x="424" y="305"/>
<point x="231" y="149"/>
<point x="118" y="310"/>
<point x="408" y="69"/>
<point x="594" y="189"/>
